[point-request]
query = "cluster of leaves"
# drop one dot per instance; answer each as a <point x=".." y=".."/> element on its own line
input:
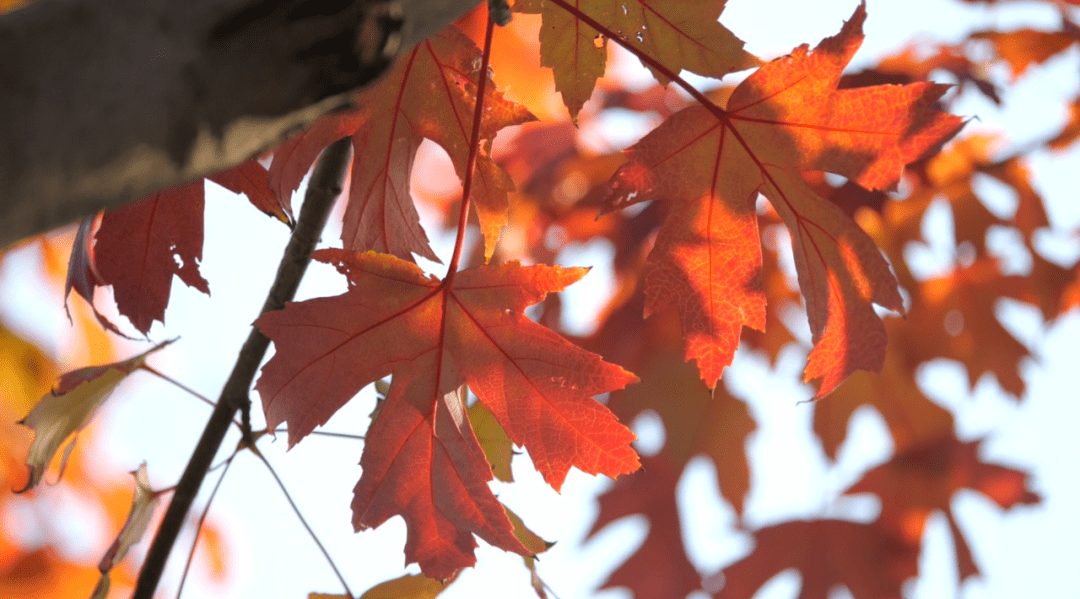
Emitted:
<point x="699" y="259"/>
<point x="33" y="562"/>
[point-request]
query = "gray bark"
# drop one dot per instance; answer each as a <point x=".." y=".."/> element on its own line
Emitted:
<point x="105" y="101"/>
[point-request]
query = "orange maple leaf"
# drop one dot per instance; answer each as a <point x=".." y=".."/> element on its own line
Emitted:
<point x="422" y="459"/>
<point x="430" y="93"/>
<point x="710" y="163"/>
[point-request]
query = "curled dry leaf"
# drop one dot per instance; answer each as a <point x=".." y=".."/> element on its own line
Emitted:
<point x="142" y="509"/>
<point x="68" y="408"/>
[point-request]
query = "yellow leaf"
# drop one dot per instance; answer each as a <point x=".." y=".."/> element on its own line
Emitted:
<point x="528" y="538"/>
<point x="493" y="440"/>
<point x="410" y="586"/>
<point x="101" y="590"/>
<point x="534" y="543"/>
<point x="142" y="509"/>
<point x="68" y="408"/>
<point x="25" y="370"/>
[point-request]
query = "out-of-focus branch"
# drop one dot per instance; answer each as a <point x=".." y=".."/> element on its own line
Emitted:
<point x="105" y="102"/>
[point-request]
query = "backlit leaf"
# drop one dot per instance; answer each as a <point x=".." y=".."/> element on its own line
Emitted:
<point x="429" y="94"/>
<point x="68" y="408"/>
<point x="682" y="34"/>
<point x="711" y="163"/>
<point x="421" y="459"/>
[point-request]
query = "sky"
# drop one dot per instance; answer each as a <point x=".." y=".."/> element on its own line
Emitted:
<point x="1030" y="551"/>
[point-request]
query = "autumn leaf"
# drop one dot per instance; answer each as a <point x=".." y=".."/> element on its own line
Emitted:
<point x="498" y="448"/>
<point x="841" y="274"/>
<point x="429" y="94"/>
<point x="924" y="479"/>
<point x="711" y="162"/>
<point x="651" y="493"/>
<point x="82" y="274"/>
<point x="681" y="34"/>
<point x="913" y="419"/>
<point x="697" y="423"/>
<point x="422" y="459"/>
<point x="870" y="561"/>
<point x="536" y="545"/>
<point x="138" y="248"/>
<point x="958" y="321"/>
<point x="68" y="408"/>
<point x="250" y="178"/>
<point x="1024" y="47"/>
<point x="142" y="509"/>
<point x="409" y="586"/>
<point x="25" y="370"/>
<point x="141" y="246"/>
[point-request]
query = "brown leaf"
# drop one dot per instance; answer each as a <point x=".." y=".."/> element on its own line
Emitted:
<point x="869" y="560"/>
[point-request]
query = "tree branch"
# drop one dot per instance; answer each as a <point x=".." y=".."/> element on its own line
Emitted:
<point x="325" y="186"/>
<point x="105" y="102"/>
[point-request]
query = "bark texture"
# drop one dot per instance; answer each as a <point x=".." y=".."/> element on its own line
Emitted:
<point x="105" y="102"/>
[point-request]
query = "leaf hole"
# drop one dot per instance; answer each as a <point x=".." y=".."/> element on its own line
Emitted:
<point x="965" y="254"/>
<point x="954" y="323"/>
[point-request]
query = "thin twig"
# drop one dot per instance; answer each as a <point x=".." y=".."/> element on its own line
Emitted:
<point x="202" y="519"/>
<point x="307" y="527"/>
<point x="184" y="387"/>
<point x="326" y="434"/>
<point x="324" y="188"/>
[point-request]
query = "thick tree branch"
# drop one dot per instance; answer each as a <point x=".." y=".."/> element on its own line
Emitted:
<point x="325" y="186"/>
<point x="105" y="102"/>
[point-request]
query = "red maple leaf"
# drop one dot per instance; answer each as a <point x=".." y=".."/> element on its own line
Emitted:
<point x="660" y="568"/>
<point x="430" y="93"/>
<point x="421" y="459"/>
<point x="710" y="163"/>
<point x="870" y="561"/>
<point x="142" y="245"/>
<point x="915" y="483"/>
<point x="138" y="248"/>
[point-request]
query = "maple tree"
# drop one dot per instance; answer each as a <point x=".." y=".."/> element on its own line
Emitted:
<point x="479" y="360"/>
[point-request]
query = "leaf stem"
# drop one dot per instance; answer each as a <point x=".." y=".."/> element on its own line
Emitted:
<point x="324" y="188"/>
<point x="177" y="383"/>
<point x="474" y="149"/>
<point x="326" y="434"/>
<point x="184" y="387"/>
